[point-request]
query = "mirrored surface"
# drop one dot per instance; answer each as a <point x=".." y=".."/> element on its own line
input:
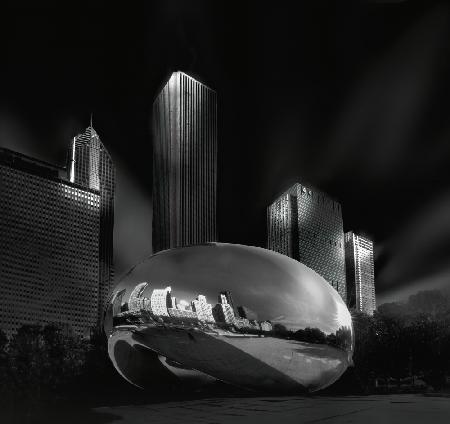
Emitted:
<point x="243" y="315"/>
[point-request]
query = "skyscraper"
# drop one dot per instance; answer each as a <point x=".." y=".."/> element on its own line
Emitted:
<point x="135" y="302"/>
<point x="51" y="241"/>
<point x="360" y="273"/>
<point x="90" y="166"/>
<point x="228" y="299"/>
<point x="203" y="309"/>
<point x="116" y="302"/>
<point x="161" y="300"/>
<point x="306" y="225"/>
<point x="184" y="163"/>
<point x="223" y="312"/>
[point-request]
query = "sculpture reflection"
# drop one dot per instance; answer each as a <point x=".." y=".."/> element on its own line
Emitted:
<point x="243" y="315"/>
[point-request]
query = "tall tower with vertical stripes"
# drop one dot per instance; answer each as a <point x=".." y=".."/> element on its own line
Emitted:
<point x="360" y="273"/>
<point x="184" y="163"/>
<point x="90" y="166"/>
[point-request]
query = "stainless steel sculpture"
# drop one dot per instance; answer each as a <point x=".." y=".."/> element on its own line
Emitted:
<point x="246" y="316"/>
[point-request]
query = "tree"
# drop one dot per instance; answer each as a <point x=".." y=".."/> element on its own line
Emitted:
<point x="3" y="341"/>
<point x="310" y="335"/>
<point x="280" y="330"/>
<point x="431" y="302"/>
<point x="4" y="365"/>
<point x="44" y="361"/>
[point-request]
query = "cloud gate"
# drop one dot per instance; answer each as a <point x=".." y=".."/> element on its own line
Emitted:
<point x="242" y="315"/>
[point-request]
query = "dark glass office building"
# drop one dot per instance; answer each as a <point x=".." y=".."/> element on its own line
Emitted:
<point x="51" y="242"/>
<point x="184" y="163"/>
<point x="360" y="273"/>
<point x="306" y="225"/>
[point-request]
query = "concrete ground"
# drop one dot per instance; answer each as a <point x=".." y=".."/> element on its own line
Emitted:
<point x="387" y="409"/>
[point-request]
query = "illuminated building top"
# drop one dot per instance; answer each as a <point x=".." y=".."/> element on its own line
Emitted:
<point x="306" y="225"/>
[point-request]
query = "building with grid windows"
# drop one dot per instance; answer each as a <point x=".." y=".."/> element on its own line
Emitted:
<point x="52" y="241"/>
<point x="226" y="294"/>
<point x="160" y="301"/>
<point x="202" y="308"/>
<point x="136" y="300"/>
<point x="306" y="225"/>
<point x="49" y="246"/>
<point x="360" y="273"/>
<point x="223" y="312"/>
<point x="184" y="163"/>
<point x="182" y="313"/>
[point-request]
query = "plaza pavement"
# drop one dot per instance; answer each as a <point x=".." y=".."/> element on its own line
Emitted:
<point x="387" y="409"/>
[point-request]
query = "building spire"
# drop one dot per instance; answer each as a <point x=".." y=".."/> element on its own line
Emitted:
<point x="91" y="121"/>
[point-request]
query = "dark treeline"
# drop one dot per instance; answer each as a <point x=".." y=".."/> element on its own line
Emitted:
<point x="48" y="368"/>
<point x="400" y="346"/>
<point x="340" y="339"/>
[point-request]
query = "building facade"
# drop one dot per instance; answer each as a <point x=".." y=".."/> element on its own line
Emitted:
<point x="90" y="166"/>
<point x="184" y="163"/>
<point x="160" y="301"/>
<point x="240" y="322"/>
<point x="226" y="294"/>
<point x="360" y="273"/>
<point x="182" y="314"/>
<point x="56" y="226"/>
<point x="49" y="247"/>
<point x="223" y="312"/>
<point x="135" y="302"/>
<point x="307" y="225"/>
<point x="265" y="326"/>
<point x="202" y="308"/>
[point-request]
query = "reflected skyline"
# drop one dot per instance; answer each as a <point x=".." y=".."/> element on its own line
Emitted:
<point x="292" y="331"/>
<point x="162" y="303"/>
<point x="195" y="273"/>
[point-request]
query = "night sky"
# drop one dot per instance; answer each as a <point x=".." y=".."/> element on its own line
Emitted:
<point x="350" y="97"/>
